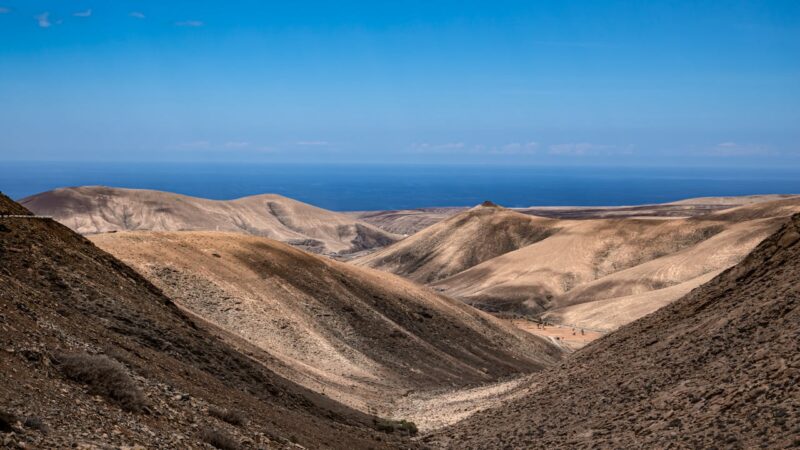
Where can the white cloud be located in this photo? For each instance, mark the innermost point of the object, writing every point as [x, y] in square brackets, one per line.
[586, 148]
[739, 149]
[512, 148]
[208, 146]
[446, 147]
[4, 10]
[312, 143]
[87, 13]
[137, 15]
[580, 148]
[190, 23]
[43, 20]
[192, 145]
[516, 148]
[571, 149]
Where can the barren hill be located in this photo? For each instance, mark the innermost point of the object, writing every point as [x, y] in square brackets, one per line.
[97, 209]
[633, 266]
[406, 221]
[93, 355]
[459, 242]
[359, 335]
[719, 368]
[410, 221]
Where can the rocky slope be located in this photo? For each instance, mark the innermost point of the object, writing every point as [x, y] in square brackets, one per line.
[95, 356]
[359, 335]
[98, 209]
[719, 368]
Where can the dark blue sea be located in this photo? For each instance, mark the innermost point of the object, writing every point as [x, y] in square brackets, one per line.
[372, 187]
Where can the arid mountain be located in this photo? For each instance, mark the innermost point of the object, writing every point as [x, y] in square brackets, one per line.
[719, 368]
[607, 259]
[459, 242]
[406, 221]
[624, 267]
[95, 356]
[359, 335]
[692, 207]
[97, 209]
[410, 221]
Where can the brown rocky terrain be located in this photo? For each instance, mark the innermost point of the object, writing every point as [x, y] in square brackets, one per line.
[95, 356]
[719, 368]
[360, 336]
[99, 209]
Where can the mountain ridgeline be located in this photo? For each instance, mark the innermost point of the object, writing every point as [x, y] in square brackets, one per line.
[99, 209]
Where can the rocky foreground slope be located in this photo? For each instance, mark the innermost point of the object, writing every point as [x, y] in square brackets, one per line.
[99, 209]
[359, 335]
[94, 356]
[719, 368]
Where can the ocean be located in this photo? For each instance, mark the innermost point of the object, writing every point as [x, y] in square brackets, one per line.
[375, 187]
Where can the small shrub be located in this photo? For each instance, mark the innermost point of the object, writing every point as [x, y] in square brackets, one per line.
[219, 439]
[36, 423]
[401, 426]
[104, 376]
[231, 416]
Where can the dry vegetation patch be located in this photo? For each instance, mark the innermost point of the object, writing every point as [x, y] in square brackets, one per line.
[103, 376]
[219, 439]
[399, 426]
[231, 416]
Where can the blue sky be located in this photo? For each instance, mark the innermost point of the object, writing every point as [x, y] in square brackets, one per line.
[531, 82]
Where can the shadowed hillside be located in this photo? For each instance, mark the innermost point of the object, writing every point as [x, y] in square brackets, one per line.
[95, 355]
[97, 209]
[719, 368]
[359, 335]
